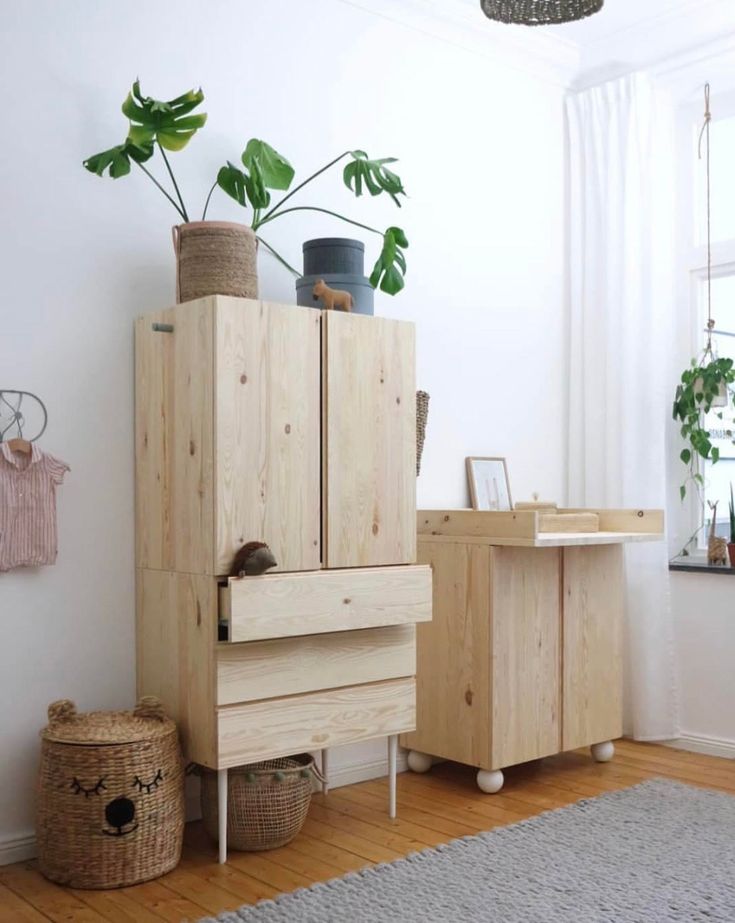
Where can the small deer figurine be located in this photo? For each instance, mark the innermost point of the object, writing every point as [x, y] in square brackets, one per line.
[716, 546]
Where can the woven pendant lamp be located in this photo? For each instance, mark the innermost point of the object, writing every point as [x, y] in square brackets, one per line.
[540, 12]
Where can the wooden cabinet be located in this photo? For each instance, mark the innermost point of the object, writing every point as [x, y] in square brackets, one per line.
[523, 656]
[267, 422]
[281, 424]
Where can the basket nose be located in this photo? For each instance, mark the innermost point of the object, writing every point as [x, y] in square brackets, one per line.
[119, 812]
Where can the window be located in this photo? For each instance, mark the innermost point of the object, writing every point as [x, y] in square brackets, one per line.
[693, 246]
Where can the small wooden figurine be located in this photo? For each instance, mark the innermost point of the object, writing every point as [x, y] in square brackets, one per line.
[331, 297]
[252, 559]
[716, 545]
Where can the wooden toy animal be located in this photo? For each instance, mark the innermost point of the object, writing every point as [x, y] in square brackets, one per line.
[716, 545]
[252, 559]
[331, 297]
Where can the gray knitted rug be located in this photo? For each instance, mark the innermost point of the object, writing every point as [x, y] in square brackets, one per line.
[655, 853]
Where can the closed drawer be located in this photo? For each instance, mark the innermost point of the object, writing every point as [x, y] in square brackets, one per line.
[262, 730]
[287, 605]
[289, 666]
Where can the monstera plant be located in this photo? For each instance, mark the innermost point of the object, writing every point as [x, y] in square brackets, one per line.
[159, 127]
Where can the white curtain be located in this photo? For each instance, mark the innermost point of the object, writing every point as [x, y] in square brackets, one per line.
[620, 341]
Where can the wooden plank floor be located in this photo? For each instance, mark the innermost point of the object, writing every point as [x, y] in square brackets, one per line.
[348, 830]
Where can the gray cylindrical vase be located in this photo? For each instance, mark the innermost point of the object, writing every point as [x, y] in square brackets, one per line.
[340, 262]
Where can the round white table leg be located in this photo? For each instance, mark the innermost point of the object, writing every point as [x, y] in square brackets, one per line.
[325, 770]
[603, 752]
[490, 780]
[392, 760]
[419, 762]
[222, 813]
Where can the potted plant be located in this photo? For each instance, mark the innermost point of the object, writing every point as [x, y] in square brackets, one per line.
[698, 392]
[731, 543]
[215, 257]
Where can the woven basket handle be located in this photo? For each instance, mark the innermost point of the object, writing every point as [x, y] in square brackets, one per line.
[61, 710]
[176, 235]
[150, 707]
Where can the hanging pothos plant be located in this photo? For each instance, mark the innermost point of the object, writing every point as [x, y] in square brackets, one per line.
[702, 384]
[169, 126]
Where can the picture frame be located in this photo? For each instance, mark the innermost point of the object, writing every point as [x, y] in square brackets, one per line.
[489, 484]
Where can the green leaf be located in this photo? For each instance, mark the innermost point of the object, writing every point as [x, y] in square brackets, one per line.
[374, 174]
[686, 456]
[168, 123]
[715, 454]
[682, 491]
[232, 181]
[271, 168]
[390, 266]
[116, 160]
[698, 478]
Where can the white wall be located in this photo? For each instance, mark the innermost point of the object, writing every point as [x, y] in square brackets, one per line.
[481, 156]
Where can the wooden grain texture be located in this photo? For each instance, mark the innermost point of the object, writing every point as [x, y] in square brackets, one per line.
[650, 521]
[526, 654]
[479, 523]
[453, 716]
[267, 431]
[568, 522]
[592, 649]
[283, 605]
[289, 666]
[173, 439]
[444, 804]
[369, 441]
[175, 637]
[260, 730]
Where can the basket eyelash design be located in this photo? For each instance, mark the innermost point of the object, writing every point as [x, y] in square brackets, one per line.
[78, 788]
[148, 787]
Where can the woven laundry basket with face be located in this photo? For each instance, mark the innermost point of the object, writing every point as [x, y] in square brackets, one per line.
[110, 799]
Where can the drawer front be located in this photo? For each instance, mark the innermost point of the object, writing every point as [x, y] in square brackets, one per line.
[287, 605]
[263, 730]
[290, 666]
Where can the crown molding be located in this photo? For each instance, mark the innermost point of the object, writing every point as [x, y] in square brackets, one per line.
[536, 52]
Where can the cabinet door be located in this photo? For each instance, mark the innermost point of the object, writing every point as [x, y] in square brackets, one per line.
[593, 640]
[369, 441]
[267, 431]
[525, 640]
[173, 439]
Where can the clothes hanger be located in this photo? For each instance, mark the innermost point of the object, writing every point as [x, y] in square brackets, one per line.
[21, 446]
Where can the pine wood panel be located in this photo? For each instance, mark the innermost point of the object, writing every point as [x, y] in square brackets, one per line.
[283, 605]
[646, 521]
[593, 639]
[445, 804]
[369, 440]
[479, 523]
[267, 431]
[526, 652]
[453, 716]
[290, 666]
[173, 439]
[175, 637]
[261, 730]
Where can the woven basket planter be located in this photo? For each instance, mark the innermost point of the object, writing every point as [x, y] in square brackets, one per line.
[267, 802]
[422, 414]
[215, 258]
[110, 805]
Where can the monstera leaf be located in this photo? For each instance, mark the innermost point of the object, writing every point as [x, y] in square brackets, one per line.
[117, 159]
[243, 187]
[374, 174]
[390, 267]
[168, 123]
[272, 168]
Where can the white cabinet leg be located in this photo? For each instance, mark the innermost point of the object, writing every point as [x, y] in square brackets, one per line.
[490, 781]
[419, 762]
[222, 813]
[603, 752]
[325, 770]
[392, 759]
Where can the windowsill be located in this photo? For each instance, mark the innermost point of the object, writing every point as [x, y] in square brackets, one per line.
[697, 564]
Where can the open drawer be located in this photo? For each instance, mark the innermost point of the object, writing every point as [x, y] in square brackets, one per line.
[316, 602]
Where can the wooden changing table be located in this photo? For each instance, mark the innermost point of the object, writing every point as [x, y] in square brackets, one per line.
[523, 658]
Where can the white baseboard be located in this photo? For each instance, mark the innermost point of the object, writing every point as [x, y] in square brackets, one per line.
[23, 847]
[17, 848]
[361, 772]
[711, 746]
